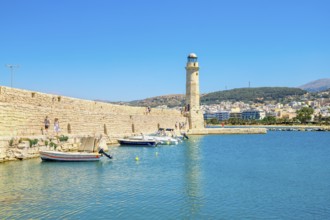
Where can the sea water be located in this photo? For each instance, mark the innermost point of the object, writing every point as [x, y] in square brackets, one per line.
[279, 175]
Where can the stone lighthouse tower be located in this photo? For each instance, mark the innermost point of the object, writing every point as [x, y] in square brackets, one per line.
[194, 114]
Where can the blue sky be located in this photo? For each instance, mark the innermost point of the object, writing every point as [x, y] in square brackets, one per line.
[127, 50]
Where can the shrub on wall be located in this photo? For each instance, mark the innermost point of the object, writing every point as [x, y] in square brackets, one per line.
[11, 142]
[63, 138]
[52, 144]
[33, 142]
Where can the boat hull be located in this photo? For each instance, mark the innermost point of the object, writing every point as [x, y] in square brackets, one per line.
[69, 156]
[161, 140]
[149, 143]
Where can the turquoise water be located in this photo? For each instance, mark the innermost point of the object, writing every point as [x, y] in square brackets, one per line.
[280, 175]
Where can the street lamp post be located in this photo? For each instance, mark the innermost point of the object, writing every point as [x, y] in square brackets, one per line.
[11, 67]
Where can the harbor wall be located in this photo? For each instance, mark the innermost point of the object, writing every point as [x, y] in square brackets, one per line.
[22, 114]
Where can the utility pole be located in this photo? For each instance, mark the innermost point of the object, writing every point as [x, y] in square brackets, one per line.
[12, 67]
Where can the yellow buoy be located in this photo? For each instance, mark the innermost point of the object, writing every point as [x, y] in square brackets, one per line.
[137, 158]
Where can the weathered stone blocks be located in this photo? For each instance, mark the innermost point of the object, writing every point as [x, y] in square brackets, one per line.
[22, 114]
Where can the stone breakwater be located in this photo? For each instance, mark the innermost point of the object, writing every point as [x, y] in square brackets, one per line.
[206, 131]
[22, 115]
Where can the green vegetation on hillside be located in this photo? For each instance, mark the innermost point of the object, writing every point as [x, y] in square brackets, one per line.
[169, 100]
[256, 95]
[260, 95]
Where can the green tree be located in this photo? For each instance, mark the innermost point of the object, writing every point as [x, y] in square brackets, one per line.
[213, 121]
[269, 120]
[305, 114]
[234, 121]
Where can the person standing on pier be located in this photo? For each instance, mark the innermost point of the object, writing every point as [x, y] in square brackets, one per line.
[57, 126]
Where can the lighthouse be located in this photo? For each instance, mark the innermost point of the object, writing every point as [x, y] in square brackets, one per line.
[194, 114]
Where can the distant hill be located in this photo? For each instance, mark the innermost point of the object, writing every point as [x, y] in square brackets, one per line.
[317, 85]
[262, 94]
[168, 100]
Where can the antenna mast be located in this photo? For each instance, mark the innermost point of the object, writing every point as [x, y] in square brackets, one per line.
[12, 67]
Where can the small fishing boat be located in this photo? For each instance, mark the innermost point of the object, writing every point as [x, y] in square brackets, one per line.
[69, 156]
[142, 142]
[86, 152]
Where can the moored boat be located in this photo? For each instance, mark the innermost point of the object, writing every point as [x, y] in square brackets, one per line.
[86, 152]
[151, 143]
[162, 140]
[69, 156]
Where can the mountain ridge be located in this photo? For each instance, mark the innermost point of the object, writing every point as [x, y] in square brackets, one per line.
[316, 85]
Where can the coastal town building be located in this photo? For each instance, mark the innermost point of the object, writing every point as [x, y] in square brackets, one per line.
[253, 115]
[241, 110]
[237, 115]
[220, 116]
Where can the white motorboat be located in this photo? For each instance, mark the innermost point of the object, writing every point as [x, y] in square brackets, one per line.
[162, 140]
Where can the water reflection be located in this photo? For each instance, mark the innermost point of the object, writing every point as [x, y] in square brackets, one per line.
[179, 182]
[193, 176]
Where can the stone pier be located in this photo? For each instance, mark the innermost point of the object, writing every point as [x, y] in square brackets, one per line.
[206, 131]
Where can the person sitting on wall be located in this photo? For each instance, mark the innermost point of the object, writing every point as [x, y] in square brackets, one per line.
[46, 123]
